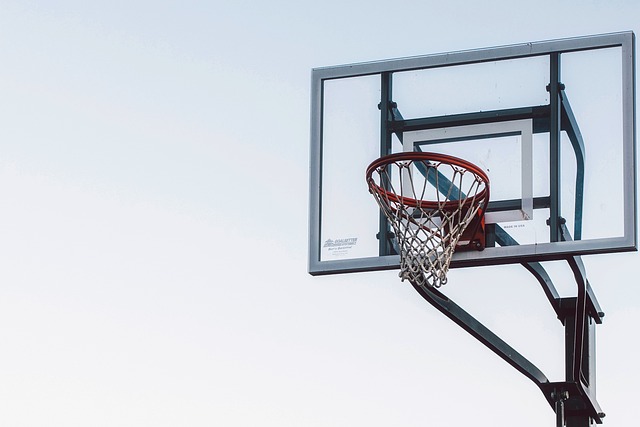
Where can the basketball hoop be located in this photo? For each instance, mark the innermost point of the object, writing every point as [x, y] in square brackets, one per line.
[435, 204]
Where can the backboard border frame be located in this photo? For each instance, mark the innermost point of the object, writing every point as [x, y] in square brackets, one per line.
[504, 255]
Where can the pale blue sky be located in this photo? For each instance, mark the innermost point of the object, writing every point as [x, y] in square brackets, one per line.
[153, 227]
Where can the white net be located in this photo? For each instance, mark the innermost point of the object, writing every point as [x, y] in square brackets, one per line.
[430, 201]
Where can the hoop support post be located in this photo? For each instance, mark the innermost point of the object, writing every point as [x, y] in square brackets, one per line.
[467, 322]
[580, 407]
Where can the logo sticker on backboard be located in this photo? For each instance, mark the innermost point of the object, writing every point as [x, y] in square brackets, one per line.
[339, 248]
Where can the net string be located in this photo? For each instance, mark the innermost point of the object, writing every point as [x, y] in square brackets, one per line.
[427, 233]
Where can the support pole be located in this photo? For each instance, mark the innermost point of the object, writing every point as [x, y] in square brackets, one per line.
[555, 101]
[386, 94]
[576, 414]
[560, 397]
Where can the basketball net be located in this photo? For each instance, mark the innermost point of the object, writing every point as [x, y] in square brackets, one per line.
[435, 205]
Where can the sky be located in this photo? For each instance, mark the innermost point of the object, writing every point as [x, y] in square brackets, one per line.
[154, 161]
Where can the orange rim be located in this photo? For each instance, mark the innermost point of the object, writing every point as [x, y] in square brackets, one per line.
[425, 156]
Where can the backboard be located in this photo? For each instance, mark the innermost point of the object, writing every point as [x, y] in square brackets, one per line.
[551, 123]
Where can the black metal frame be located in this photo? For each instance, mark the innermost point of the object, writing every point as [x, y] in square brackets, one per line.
[573, 400]
[541, 124]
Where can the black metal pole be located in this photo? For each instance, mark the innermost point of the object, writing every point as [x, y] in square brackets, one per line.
[386, 94]
[584, 373]
[555, 124]
[560, 397]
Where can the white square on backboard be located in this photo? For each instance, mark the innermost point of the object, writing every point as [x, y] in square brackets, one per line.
[449, 139]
